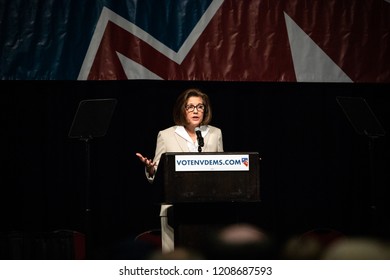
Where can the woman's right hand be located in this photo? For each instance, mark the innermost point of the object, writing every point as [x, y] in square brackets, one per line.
[149, 164]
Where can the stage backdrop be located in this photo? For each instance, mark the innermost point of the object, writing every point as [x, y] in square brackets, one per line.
[315, 170]
[224, 40]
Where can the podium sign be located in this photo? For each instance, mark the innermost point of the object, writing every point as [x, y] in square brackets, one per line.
[209, 177]
[213, 162]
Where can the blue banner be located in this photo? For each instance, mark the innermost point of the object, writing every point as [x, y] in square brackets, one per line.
[216, 40]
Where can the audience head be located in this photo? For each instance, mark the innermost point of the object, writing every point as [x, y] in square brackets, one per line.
[358, 248]
[240, 241]
[309, 245]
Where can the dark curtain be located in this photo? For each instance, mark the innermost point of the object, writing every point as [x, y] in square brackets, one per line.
[316, 170]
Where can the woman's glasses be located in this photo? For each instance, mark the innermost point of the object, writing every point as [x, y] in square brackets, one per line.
[191, 108]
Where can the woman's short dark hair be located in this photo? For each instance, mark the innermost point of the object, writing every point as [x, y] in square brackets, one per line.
[179, 111]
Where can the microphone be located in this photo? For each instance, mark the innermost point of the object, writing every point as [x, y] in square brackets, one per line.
[200, 139]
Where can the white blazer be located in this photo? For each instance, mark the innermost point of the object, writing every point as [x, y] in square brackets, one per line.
[172, 139]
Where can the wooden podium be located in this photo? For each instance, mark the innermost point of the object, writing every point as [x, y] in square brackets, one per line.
[207, 190]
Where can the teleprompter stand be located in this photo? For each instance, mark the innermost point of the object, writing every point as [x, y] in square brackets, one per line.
[91, 120]
[365, 123]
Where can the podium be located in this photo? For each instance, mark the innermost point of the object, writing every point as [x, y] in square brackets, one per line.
[207, 191]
